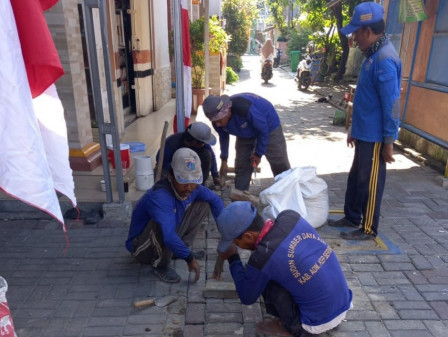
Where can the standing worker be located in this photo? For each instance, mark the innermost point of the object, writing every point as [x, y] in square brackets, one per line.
[197, 137]
[297, 273]
[375, 121]
[256, 125]
[168, 216]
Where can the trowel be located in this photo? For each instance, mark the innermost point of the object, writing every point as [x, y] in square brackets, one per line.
[158, 302]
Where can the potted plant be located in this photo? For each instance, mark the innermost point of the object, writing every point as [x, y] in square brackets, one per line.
[217, 42]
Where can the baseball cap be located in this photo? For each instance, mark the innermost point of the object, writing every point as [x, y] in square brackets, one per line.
[212, 106]
[186, 166]
[364, 14]
[233, 221]
[202, 132]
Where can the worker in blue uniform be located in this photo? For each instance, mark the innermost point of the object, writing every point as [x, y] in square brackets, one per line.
[296, 272]
[375, 122]
[168, 216]
[256, 125]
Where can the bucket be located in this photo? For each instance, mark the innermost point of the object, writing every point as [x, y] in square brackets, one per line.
[125, 155]
[144, 174]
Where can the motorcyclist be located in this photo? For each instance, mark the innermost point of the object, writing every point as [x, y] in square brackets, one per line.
[267, 53]
[305, 64]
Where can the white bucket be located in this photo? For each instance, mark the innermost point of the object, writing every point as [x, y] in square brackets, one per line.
[144, 174]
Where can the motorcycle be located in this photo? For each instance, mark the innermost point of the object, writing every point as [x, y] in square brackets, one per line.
[303, 74]
[277, 58]
[266, 72]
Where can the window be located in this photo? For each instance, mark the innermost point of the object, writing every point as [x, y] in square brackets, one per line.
[393, 27]
[437, 67]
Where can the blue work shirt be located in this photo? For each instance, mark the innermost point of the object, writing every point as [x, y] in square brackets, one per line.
[161, 205]
[376, 105]
[252, 117]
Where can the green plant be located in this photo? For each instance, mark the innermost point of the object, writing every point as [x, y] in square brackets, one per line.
[218, 40]
[239, 15]
[235, 62]
[231, 76]
[299, 38]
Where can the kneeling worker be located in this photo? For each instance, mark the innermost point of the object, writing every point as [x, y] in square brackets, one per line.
[297, 273]
[168, 216]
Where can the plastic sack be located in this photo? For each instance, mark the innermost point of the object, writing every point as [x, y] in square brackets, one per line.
[301, 190]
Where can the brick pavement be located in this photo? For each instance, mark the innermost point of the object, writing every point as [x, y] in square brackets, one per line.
[89, 289]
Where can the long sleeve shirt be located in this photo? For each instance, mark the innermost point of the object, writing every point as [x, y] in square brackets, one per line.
[161, 205]
[252, 117]
[293, 255]
[376, 105]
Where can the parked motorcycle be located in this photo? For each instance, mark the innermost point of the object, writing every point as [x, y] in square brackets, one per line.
[266, 72]
[277, 58]
[303, 74]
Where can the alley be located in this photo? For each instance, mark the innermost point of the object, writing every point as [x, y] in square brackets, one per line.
[88, 289]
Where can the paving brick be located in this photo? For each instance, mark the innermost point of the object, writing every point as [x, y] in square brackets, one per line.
[225, 329]
[404, 325]
[377, 329]
[441, 308]
[195, 313]
[366, 267]
[385, 310]
[410, 305]
[193, 330]
[252, 313]
[437, 328]
[417, 314]
[224, 317]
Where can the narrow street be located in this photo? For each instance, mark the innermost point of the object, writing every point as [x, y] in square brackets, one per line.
[400, 287]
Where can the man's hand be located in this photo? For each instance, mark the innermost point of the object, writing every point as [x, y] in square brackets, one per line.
[231, 251]
[194, 266]
[223, 169]
[217, 182]
[255, 160]
[388, 152]
[350, 141]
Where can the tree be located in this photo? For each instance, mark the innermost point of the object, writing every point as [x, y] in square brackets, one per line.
[280, 13]
[239, 15]
[338, 13]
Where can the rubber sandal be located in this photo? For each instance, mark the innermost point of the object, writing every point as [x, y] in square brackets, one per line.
[344, 222]
[356, 235]
[167, 274]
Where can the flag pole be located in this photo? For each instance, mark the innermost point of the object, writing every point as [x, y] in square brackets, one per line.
[178, 65]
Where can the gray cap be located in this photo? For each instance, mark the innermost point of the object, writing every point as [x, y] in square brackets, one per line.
[186, 166]
[233, 221]
[213, 104]
[202, 133]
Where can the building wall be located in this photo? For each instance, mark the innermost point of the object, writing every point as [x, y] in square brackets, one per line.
[63, 22]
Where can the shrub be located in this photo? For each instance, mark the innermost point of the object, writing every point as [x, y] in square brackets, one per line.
[231, 76]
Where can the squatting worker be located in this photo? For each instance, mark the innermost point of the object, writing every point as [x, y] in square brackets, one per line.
[295, 271]
[256, 125]
[197, 137]
[168, 216]
[375, 122]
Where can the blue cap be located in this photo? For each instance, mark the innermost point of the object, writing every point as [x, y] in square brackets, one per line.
[364, 14]
[233, 221]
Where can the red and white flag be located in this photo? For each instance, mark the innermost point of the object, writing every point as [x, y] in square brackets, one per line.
[34, 152]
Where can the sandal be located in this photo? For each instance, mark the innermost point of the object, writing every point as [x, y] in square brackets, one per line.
[344, 222]
[167, 274]
[356, 235]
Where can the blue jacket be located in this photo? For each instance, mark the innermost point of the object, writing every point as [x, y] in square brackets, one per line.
[376, 105]
[293, 255]
[160, 204]
[175, 142]
[252, 117]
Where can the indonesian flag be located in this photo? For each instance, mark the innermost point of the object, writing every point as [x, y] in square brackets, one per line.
[34, 149]
[187, 64]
